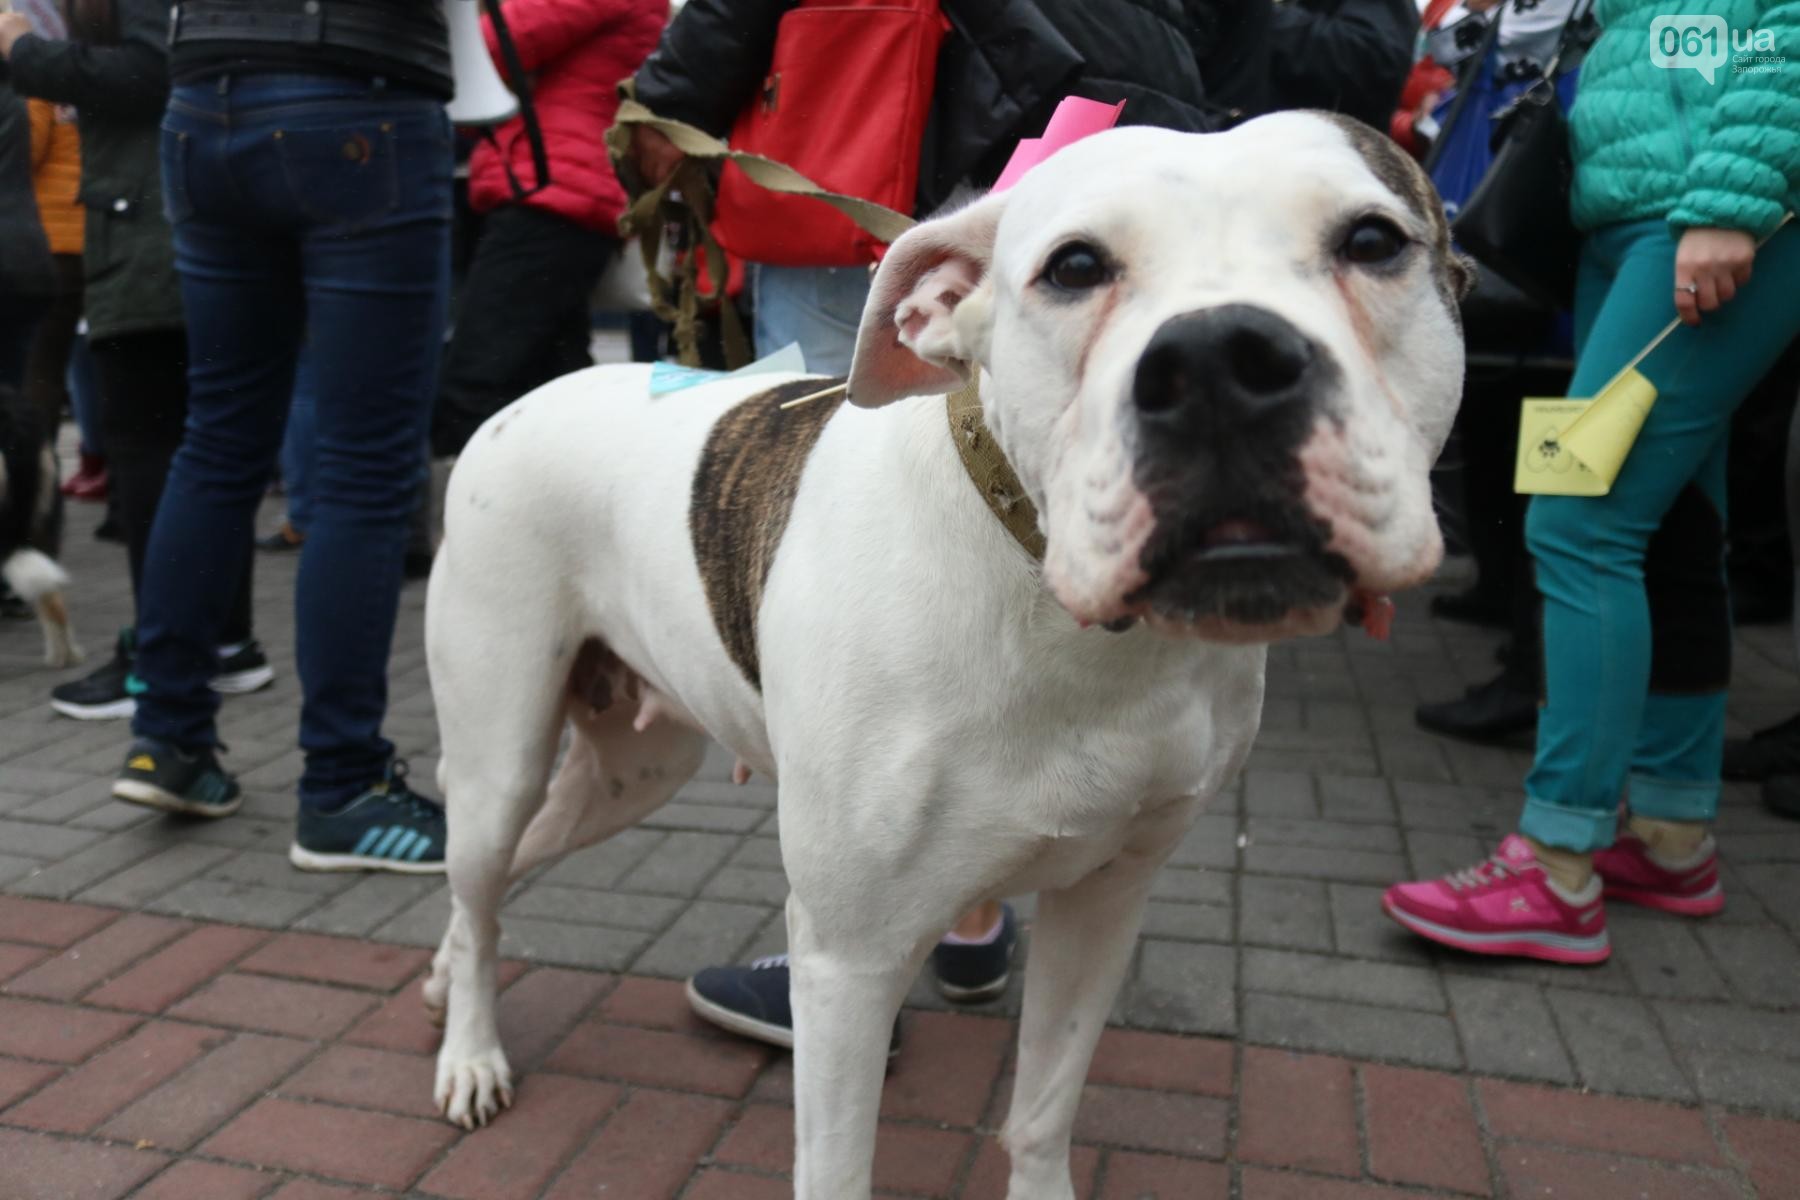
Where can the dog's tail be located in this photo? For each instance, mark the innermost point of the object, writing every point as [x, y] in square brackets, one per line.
[33, 574]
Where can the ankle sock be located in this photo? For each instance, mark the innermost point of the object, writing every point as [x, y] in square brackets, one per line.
[1671, 843]
[986, 939]
[1570, 870]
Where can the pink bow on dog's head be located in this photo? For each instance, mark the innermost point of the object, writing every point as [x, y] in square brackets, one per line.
[1073, 120]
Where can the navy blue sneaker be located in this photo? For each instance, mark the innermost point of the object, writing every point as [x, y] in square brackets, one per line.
[159, 775]
[390, 827]
[753, 1001]
[976, 974]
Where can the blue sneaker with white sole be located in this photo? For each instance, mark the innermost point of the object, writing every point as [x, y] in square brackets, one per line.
[389, 827]
[753, 1001]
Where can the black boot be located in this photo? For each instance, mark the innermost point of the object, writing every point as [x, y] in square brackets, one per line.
[1489, 712]
[1765, 753]
[1781, 795]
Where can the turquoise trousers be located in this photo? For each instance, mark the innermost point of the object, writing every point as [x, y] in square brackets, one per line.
[1606, 730]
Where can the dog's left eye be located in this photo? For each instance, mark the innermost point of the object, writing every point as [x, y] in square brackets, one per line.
[1077, 267]
[1373, 241]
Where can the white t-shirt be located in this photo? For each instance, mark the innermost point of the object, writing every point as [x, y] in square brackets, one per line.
[1529, 30]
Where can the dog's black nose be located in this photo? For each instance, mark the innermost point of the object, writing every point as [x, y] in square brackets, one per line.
[1220, 369]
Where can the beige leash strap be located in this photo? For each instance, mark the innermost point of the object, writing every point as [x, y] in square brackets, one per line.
[655, 210]
[991, 474]
[878, 221]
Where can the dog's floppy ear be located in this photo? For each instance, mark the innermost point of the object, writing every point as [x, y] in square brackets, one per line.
[908, 343]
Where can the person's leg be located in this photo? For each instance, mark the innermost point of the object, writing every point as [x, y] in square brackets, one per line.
[1781, 782]
[522, 320]
[83, 380]
[298, 449]
[18, 322]
[1538, 897]
[1590, 551]
[1675, 766]
[144, 396]
[241, 292]
[1757, 562]
[376, 293]
[816, 308]
[46, 364]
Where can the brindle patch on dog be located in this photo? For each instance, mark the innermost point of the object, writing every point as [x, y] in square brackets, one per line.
[743, 493]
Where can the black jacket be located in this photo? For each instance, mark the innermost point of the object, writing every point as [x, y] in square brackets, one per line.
[1351, 56]
[1183, 64]
[25, 270]
[119, 92]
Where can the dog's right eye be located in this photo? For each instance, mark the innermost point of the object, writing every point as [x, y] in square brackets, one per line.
[1373, 241]
[1077, 267]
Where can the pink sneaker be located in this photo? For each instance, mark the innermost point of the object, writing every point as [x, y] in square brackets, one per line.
[1506, 905]
[1631, 875]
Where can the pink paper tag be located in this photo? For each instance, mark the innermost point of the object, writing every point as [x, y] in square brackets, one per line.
[1073, 120]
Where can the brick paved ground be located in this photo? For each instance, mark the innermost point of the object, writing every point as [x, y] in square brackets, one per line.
[1265, 929]
[162, 1058]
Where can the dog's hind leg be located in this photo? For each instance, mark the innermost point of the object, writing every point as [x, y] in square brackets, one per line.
[612, 776]
[500, 699]
[1081, 944]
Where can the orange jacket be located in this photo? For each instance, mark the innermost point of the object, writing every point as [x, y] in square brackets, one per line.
[56, 175]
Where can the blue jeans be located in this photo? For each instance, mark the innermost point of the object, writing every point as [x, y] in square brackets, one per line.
[320, 204]
[1611, 722]
[817, 307]
[297, 442]
[84, 395]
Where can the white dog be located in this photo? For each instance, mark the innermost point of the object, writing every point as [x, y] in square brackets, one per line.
[1220, 366]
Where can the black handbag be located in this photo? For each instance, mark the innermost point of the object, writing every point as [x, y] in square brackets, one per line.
[1517, 223]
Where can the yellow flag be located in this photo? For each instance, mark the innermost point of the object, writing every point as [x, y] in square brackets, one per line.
[1570, 447]
[1545, 467]
[1602, 436]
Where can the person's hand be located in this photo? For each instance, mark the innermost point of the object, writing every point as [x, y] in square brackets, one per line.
[1710, 266]
[655, 155]
[13, 26]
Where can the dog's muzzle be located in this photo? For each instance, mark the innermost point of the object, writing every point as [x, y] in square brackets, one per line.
[1224, 398]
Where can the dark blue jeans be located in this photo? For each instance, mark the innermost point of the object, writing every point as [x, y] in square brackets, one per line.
[316, 204]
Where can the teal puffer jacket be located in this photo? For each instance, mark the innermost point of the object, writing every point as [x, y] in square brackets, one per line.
[1656, 143]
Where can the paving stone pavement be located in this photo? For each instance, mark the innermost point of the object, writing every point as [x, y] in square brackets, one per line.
[166, 1059]
[1265, 927]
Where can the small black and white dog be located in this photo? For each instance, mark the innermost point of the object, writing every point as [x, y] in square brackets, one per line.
[31, 521]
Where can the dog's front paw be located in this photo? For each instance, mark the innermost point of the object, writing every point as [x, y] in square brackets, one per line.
[472, 1089]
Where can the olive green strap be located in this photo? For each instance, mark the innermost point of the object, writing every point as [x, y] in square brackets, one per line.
[991, 474]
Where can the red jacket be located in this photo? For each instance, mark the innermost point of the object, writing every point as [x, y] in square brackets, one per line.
[576, 51]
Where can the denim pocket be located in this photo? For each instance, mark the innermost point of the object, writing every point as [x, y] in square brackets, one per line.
[344, 174]
[177, 205]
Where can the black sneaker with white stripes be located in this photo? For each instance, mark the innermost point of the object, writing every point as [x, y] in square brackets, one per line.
[389, 827]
